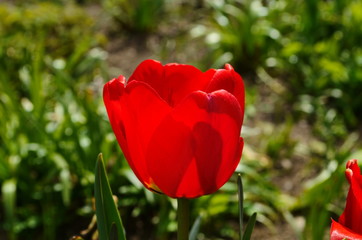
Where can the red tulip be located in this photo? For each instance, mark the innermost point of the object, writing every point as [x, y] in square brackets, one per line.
[178, 127]
[349, 225]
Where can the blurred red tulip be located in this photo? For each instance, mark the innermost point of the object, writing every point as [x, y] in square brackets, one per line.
[179, 128]
[349, 225]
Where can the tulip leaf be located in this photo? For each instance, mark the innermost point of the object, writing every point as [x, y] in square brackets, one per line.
[195, 228]
[249, 227]
[241, 205]
[108, 220]
[113, 234]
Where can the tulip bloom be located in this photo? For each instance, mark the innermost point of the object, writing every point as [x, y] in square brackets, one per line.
[349, 225]
[179, 128]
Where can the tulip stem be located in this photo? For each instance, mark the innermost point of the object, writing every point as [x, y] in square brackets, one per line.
[183, 218]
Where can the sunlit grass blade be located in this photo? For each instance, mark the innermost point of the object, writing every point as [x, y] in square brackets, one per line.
[108, 219]
[195, 228]
[241, 205]
[249, 227]
[8, 190]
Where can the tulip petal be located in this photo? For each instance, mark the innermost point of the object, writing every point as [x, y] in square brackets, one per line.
[173, 82]
[149, 71]
[340, 232]
[353, 166]
[182, 80]
[230, 81]
[134, 112]
[113, 92]
[197, 146]
[352, 217]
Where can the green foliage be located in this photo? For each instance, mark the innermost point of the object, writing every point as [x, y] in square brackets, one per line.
[137, 16]
[249, 227]
[195, 228]
[241, 205]
[108, 220]
[312, 45]
[324, 60]
[246, 235]
[239, 34]
[8, 192]
[52, 129]
[302, 65]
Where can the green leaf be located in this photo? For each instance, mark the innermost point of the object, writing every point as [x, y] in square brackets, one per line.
[113, 234]
[249, 227]
[8, 191]
[241, 205]
[195, 228]
[108, 219]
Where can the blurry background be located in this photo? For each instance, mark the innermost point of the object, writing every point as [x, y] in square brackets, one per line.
[301, 61]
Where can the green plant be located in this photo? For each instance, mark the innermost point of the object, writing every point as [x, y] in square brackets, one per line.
[320, 59]
[239, 33]
[139, 16]
[49, 96]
